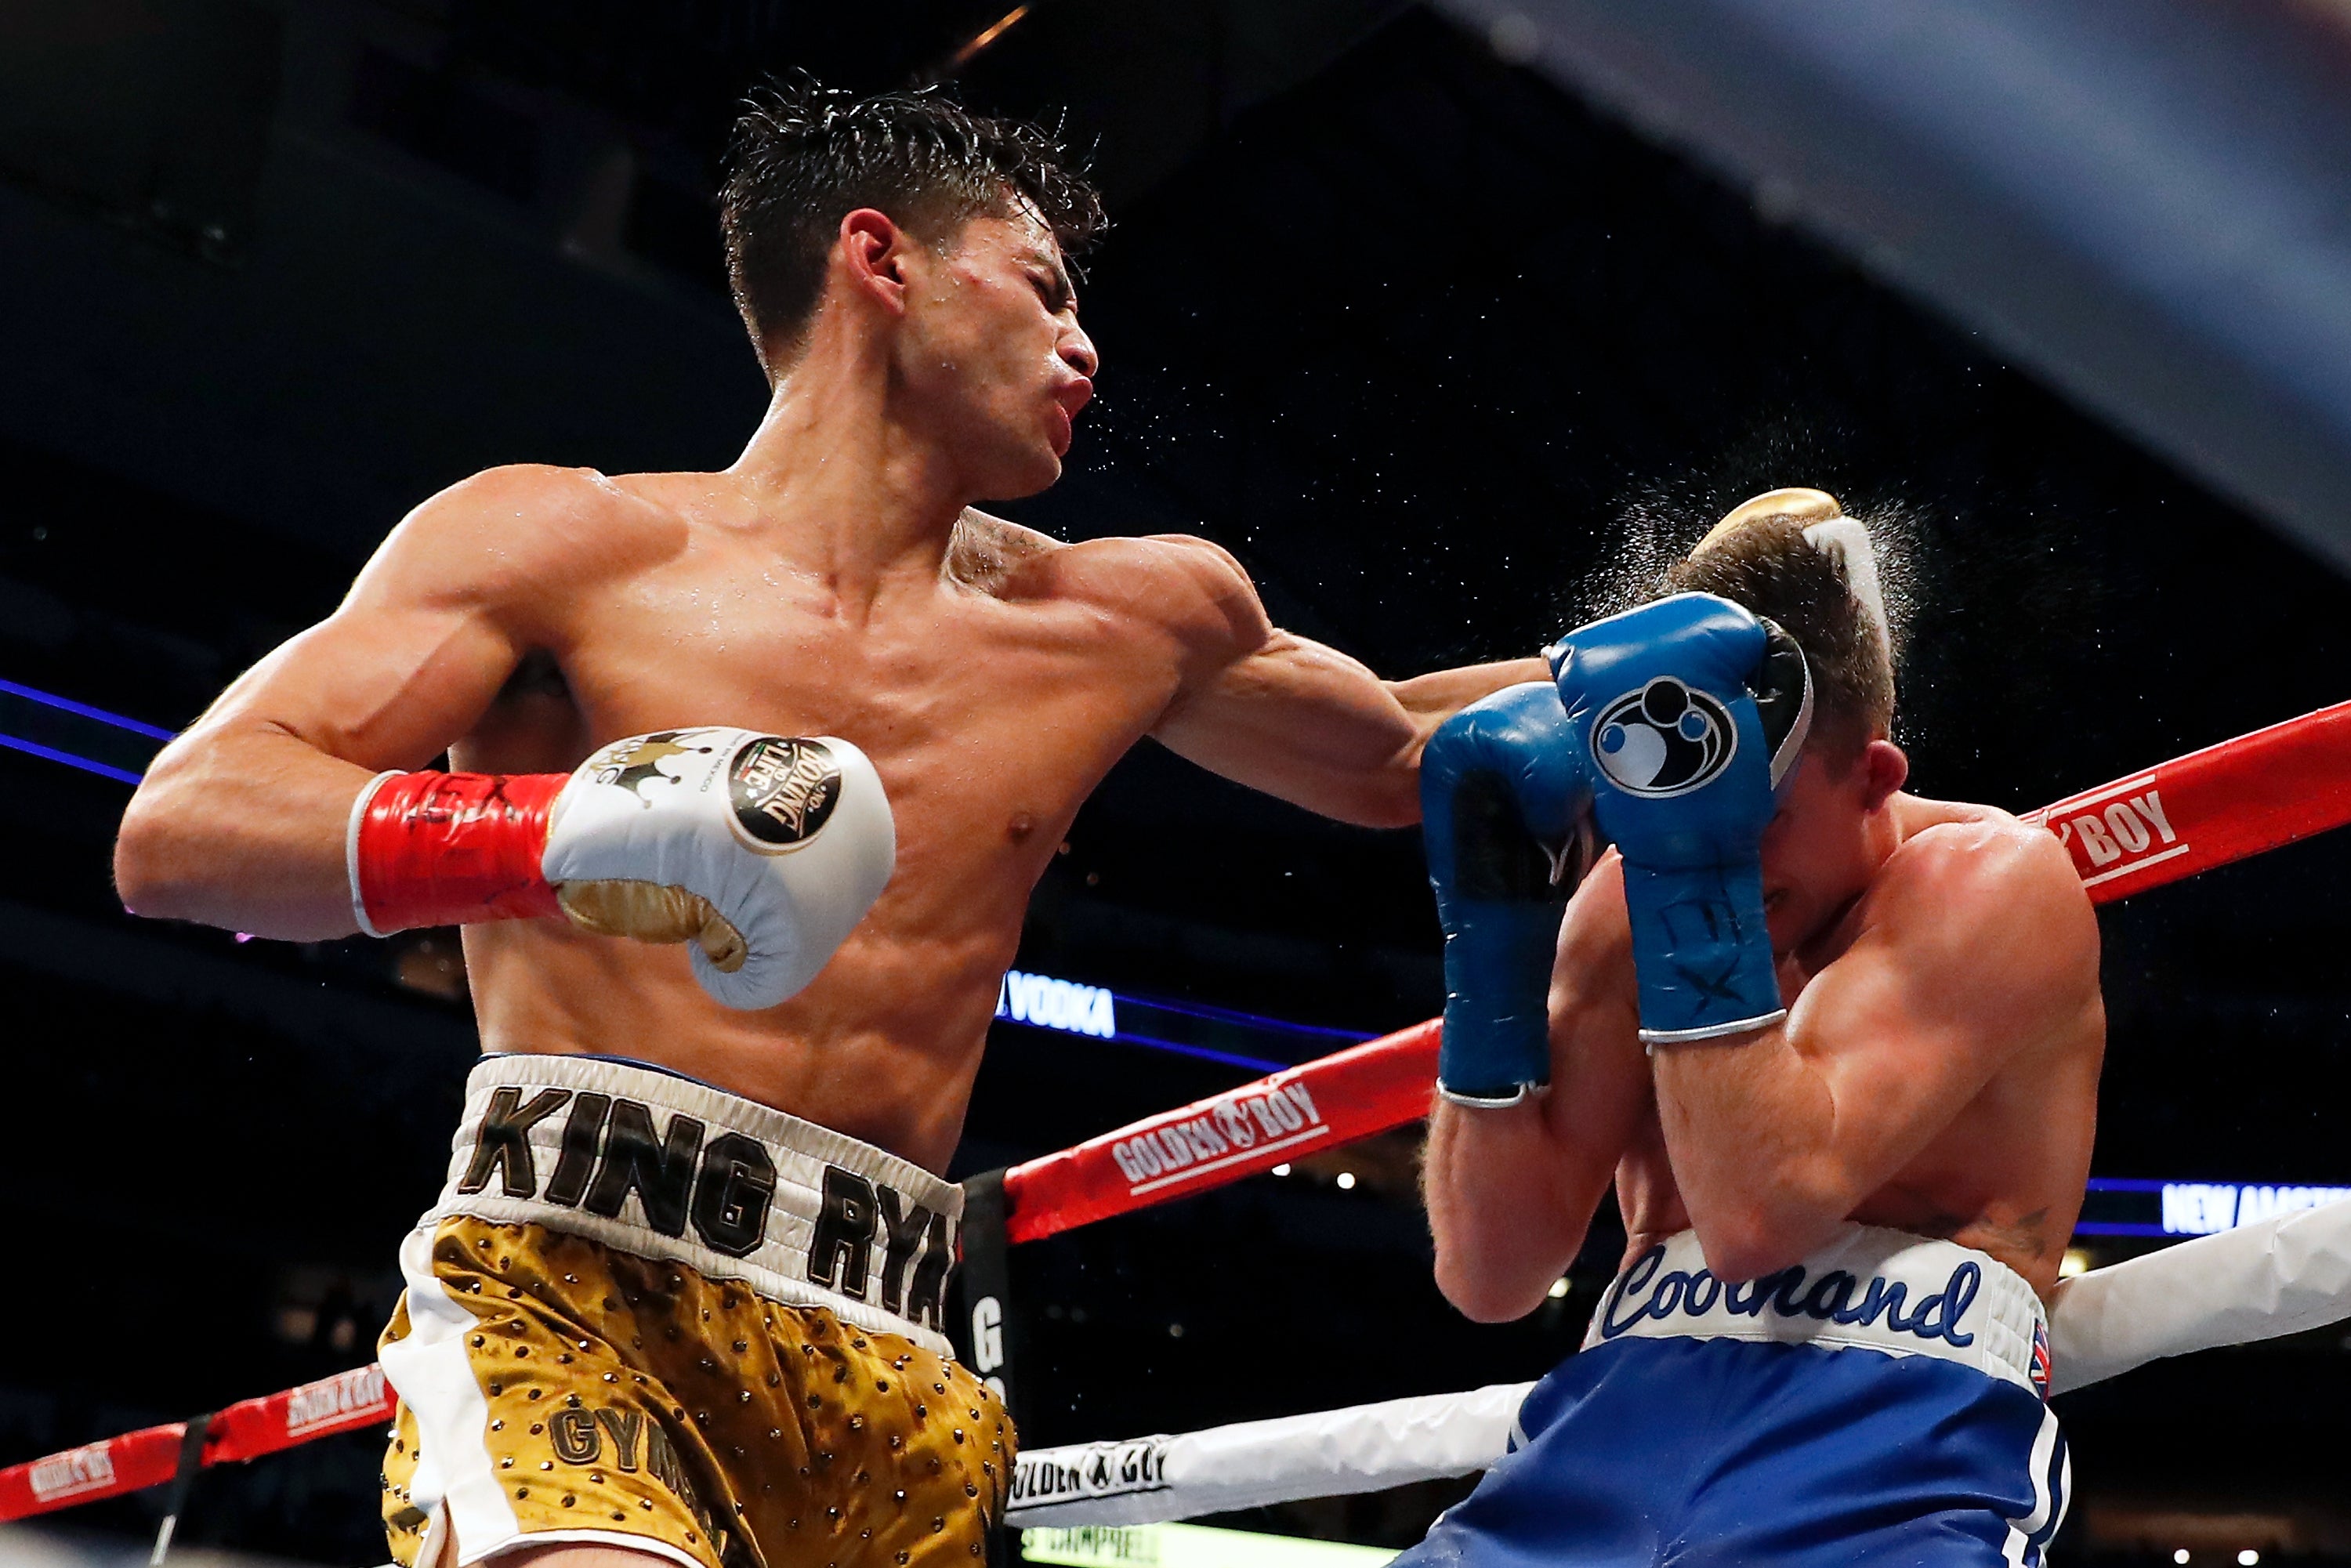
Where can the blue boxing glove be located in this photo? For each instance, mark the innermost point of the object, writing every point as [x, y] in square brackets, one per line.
[1504, 801]
[1692, 712]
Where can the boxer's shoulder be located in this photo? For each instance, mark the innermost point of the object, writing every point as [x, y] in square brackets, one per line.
[1978, 884]
[1197, 589]
[1176, 582]
[1953, 847]
[526, 526]
[1002, 558]
[539, 494]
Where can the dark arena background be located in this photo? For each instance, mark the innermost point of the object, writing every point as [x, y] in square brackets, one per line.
[1434, 316]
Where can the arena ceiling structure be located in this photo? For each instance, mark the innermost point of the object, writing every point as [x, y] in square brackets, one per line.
[2144, 205]
[1435, 314]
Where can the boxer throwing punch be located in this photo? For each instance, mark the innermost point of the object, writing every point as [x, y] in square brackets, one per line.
[752, 774]
[1837, 1046]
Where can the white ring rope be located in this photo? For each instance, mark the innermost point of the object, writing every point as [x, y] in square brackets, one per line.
[2255, 1282]
[1330, 1453]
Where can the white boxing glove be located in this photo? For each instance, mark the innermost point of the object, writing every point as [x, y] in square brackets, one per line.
[785, 842]
[763, 852]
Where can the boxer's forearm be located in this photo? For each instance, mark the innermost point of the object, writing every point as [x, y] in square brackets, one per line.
[1390, 791]
[1428, 701]
[1503, 1227]
[1752, 1133]
[1437, 695]
[1976, 948]
[242, 829]
[1313, 726]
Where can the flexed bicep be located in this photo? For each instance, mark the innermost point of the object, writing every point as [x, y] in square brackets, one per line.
[241, 821]
[1985, 948]
[1976, 945]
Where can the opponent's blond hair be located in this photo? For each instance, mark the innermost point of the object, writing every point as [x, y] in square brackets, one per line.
[1792, 556]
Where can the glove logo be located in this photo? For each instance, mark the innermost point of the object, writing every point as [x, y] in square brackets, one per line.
[633, 764]
[1664, 739]
[783, 790]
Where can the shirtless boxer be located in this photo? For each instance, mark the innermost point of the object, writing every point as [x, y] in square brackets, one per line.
[681, 1297]
[1838, 1048]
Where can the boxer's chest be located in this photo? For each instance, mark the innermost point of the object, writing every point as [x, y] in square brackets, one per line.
[989, 722]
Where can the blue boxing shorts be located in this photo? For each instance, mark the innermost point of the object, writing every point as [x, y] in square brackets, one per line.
[1884, 1402]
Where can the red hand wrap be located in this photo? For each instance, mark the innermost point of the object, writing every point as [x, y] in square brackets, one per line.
[443, 849]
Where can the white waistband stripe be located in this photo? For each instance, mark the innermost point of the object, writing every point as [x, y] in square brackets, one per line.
[660, 1167]
[1871, 1289]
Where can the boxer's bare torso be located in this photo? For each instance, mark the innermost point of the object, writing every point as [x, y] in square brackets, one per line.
[534, 614]
[992, 696]
[1936, 1073]
[836, 580]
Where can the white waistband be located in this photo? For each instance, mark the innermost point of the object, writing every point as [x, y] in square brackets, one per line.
[1870, 1289]
[661, 1166]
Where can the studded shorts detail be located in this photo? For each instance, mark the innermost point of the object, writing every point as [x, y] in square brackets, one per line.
[648, 1313]
[554, 1389]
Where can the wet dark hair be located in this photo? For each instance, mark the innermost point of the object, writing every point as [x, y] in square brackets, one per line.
[803, 156]
[1766, 565]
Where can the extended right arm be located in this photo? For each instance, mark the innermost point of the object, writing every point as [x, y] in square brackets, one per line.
[241, 821]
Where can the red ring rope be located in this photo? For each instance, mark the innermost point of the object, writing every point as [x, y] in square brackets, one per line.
[2225, 803]
[246, 1430]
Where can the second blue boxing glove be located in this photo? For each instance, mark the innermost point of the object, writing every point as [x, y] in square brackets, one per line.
[1504, 797]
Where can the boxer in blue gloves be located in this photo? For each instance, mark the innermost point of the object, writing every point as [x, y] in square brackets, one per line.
[1836, 1045]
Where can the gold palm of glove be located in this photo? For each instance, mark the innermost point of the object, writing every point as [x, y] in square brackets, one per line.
[1804, 506]
[653, 912]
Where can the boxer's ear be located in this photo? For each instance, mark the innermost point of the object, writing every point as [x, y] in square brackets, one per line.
[1885, 768]
[872, 249]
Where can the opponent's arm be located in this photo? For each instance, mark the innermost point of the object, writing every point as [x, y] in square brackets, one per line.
[1979, 946]
[1511, 1192]
[1286, 715]
[240, 821]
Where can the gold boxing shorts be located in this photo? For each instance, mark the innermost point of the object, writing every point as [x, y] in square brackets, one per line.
[649, 1314]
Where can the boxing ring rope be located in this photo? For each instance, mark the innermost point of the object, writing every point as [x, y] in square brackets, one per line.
[347, 1402]
[2279, 1275]
[1330, 1453]
[2225, 803]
